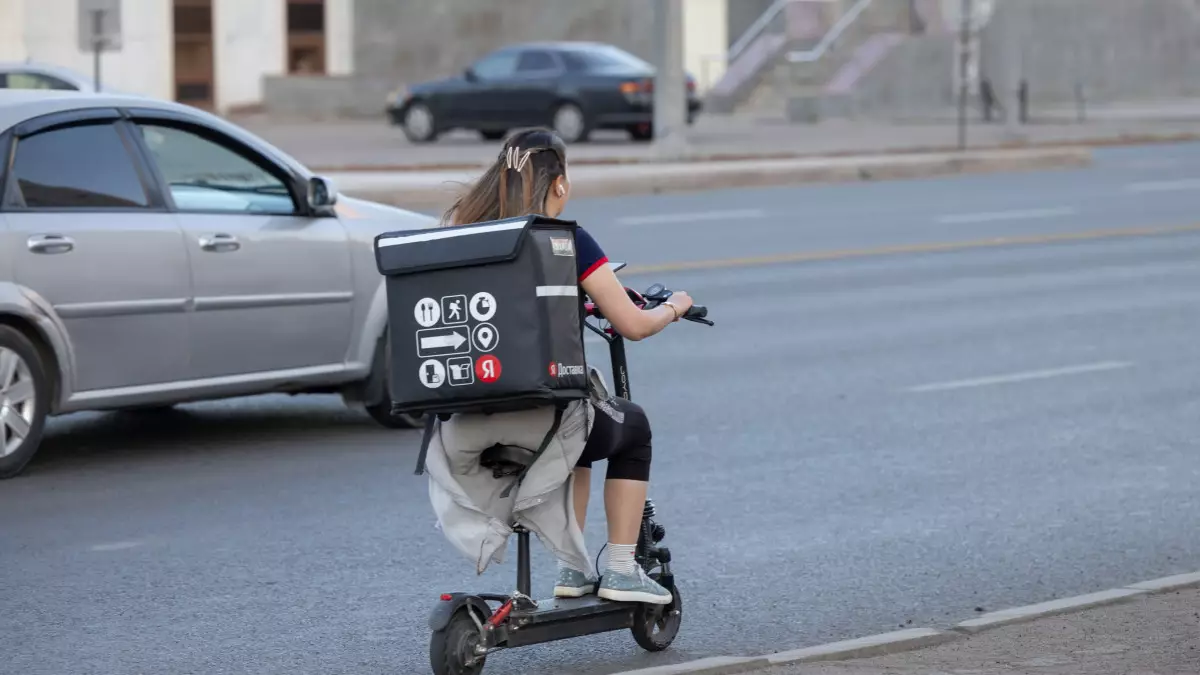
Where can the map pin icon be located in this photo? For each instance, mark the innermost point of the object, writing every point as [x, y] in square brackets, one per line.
[485, 336]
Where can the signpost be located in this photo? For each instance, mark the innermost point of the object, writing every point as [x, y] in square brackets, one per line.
[967, 18]
[99, 30]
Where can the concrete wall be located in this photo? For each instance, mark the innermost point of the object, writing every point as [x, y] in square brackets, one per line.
[1118, 50]
[49, 28]
[705, 40]
[250, 42]
[414, 40]
[12, 33]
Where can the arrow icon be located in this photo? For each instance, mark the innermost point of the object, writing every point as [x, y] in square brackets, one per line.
[453, 340]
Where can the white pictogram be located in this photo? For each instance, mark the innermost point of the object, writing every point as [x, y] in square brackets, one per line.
[443, 341]
[427, 312]
[462, 371]
[432, 374]
[485, 336]
[483, 306]
[454, 309]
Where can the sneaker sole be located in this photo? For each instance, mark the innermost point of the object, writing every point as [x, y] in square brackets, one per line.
[564, 592]
[635, 596]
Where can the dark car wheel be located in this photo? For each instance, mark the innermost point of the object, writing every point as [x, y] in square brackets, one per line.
[24, 400]
[641, 132]
[419, 123]
[570, 123]
[493, 135]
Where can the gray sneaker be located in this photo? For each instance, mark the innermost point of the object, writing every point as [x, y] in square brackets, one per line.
[573, 584]
[636, 587]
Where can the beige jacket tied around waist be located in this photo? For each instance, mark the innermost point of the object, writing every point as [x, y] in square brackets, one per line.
[467, 499]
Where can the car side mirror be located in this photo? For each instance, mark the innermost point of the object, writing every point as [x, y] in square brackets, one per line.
[321, 193]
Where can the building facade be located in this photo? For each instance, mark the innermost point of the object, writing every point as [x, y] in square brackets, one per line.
[309, 55]
[209, 53]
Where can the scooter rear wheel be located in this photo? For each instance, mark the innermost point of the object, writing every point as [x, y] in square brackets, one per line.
[452, 649]
[655, 626]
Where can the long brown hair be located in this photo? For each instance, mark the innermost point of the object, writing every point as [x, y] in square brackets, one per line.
[517, 183]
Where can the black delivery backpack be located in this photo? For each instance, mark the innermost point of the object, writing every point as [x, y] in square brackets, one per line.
[483, 318]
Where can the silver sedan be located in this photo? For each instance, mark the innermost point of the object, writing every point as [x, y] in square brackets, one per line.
[151, 254]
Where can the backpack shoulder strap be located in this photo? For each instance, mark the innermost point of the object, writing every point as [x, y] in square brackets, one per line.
[558, 415]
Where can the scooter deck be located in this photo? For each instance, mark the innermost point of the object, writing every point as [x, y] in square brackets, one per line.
[561, 618]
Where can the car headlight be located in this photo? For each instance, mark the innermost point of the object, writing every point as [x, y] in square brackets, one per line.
[397, 97]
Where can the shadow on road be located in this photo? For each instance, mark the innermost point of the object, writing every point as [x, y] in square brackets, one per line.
[273, 424]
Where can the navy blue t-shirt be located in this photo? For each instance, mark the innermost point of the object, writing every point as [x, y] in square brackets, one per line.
[588, 254]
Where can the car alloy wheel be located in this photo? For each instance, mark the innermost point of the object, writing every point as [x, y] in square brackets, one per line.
[569, 123]
[418, 123]
[18, 401]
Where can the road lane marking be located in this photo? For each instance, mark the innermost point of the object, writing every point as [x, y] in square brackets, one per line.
[689, 217]
[115, 546]
[1164, 185]
[1015, 214]
[941, 247]
[1020, 377]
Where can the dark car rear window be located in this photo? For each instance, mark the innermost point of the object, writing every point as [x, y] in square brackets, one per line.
[603, 58]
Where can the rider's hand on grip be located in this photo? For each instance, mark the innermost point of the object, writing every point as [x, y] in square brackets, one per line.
[682, 302]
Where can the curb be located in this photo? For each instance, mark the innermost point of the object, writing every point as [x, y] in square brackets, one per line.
[701, 157]
[920, 638]
[645, 179]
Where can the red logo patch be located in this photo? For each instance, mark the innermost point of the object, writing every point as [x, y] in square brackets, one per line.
[553, 369]
[487, 368]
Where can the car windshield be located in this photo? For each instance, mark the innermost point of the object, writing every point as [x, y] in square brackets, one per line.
[607, 57]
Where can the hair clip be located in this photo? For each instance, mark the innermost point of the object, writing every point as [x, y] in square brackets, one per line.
[515, 159]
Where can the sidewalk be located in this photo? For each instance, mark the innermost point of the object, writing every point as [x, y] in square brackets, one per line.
[374, 145]
[1146, 628]
[1157, 634]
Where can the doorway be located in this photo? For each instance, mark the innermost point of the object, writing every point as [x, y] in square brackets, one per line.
[194, 67]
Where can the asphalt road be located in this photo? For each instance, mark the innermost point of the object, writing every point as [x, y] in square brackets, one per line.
[860, 442]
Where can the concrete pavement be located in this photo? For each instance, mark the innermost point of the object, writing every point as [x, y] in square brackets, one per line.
[1158, 634]
[891, 432]
[374, 145]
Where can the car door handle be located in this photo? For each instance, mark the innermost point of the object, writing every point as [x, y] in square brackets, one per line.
[219, 243]
[50, 243]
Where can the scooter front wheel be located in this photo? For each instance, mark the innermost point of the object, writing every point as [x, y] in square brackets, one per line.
[452, 649]
[655, 626]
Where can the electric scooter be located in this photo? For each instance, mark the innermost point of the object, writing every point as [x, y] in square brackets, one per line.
[466, 629]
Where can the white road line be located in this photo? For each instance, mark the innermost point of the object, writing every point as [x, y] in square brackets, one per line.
[689, 217]
[1164, 185]
[1021, 377]
[1015, 214]
[115, 546]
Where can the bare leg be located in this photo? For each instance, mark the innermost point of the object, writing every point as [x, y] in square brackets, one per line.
[624, 501]
[583, 492]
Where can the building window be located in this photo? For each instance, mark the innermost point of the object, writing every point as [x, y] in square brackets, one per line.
[306, 37]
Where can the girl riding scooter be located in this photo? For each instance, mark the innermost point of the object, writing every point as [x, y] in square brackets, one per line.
[529, 176]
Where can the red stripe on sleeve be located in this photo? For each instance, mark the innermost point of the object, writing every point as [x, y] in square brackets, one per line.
[595, 266]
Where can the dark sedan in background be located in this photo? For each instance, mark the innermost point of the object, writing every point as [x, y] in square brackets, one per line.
[573, 87]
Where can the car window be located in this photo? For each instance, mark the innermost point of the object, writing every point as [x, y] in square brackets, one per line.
[77, 167]
[496, 66]
[604, 57]
[536, 61]
[36, 81]
[204, 175]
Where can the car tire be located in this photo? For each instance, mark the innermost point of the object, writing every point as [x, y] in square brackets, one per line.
[570, 123]
[420, 126]
[381, 412]
[493, 135]
[641, 132]
[24, 400]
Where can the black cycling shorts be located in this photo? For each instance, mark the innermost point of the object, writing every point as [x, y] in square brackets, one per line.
[621, 435]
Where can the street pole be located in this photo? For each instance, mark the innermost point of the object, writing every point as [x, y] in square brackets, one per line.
[97, 43]
[670, 82]
[963, 64]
